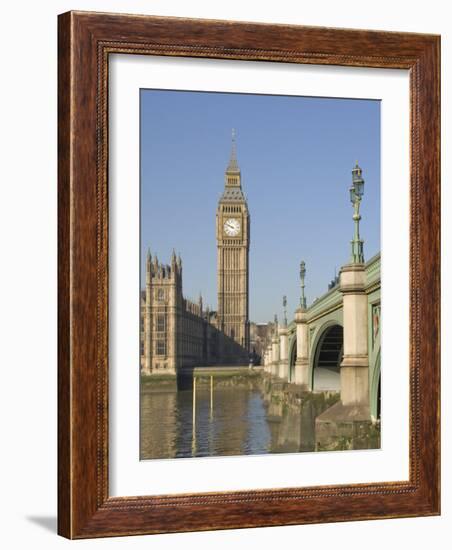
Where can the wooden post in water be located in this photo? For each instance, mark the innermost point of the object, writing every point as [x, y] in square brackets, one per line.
[193, 440]
[194, 403]
[211, 397]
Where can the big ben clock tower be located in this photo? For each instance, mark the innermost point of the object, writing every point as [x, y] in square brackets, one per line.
[233, 244]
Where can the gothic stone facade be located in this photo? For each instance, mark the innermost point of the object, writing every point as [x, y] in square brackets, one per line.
[176, 332]
[260, 338]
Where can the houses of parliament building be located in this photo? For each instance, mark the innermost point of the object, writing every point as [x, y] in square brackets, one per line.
[176, 332]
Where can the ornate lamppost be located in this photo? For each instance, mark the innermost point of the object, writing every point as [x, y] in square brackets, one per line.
[356, 193]
[302, 276]
[284, 303]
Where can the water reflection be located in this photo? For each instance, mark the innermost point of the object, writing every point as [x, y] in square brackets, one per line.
[228, 417]
[235, 425]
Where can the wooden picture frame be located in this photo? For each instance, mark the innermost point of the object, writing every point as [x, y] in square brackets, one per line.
[85, 42]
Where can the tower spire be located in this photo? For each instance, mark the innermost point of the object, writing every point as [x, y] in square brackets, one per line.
[148, 266]
[233, 165]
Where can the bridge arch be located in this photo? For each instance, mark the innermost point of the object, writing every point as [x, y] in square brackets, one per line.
[375, 391]
[292, 357]
[326, 356]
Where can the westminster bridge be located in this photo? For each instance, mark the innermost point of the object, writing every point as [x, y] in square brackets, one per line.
[334, 345]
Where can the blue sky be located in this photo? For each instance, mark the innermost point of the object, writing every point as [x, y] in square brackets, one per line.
[296, 155]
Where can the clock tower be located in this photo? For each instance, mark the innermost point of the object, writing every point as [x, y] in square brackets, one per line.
[233, 244]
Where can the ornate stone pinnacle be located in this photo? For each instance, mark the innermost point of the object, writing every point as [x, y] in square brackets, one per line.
[233, 165]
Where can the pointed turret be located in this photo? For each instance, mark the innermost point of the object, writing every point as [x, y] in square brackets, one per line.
[232, 178]
[147, 315]
[148, 259]
[148, 265]
[233, 167]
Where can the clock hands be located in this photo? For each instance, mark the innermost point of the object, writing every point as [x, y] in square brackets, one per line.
[231, 227]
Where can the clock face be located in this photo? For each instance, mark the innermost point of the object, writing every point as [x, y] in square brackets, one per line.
[232, 227]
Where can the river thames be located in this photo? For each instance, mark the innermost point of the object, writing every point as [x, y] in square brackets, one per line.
[229, 416]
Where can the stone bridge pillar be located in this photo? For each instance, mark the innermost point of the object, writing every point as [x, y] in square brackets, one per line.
[269, 360]
[283, 371]
[275, 355]
[302, 362]
[351, 415]
[266, 360]
[270, 357]
[355, 363]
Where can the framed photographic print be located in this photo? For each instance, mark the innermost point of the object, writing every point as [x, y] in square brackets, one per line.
[248, 274]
